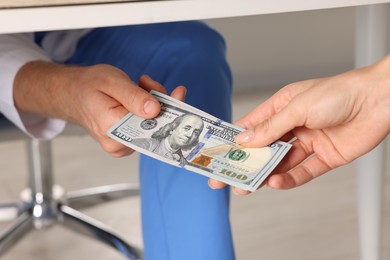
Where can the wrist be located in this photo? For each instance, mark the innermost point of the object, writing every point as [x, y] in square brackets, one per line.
[379, 90]
[383, 89]
[39, 88]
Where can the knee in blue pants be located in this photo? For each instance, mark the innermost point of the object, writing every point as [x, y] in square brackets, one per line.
[182, 217]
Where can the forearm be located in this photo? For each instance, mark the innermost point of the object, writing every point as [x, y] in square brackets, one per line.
[15, 51]
[43, 88]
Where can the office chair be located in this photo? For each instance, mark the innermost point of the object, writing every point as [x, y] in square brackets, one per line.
[372, 26]
[44, 204]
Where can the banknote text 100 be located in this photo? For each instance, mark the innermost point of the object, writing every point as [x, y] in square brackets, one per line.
[231, 174]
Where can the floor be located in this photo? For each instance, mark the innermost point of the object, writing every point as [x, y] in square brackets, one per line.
[317, 221]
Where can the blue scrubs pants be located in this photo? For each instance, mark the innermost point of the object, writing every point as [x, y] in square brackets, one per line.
[182, 218]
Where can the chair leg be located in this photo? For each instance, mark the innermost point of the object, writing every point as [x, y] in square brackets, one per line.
[92, 228]
[371, 45]
[96, 196]
[44, 205]
[15, 231]
[9, 211]
[370, 177]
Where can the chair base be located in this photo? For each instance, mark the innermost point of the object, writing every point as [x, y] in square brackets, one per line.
[36, 212]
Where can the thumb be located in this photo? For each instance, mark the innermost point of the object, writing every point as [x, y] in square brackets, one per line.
[136, 100]
[144, 105]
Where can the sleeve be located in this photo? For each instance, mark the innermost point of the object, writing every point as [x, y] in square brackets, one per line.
[15, 51]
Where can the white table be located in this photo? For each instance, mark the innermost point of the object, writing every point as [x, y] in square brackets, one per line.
[371, 44]
[94, 15]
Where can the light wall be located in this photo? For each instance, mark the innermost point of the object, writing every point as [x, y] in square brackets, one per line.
[270, 51]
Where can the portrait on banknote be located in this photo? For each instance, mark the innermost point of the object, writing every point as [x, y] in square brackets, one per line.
[170, 140]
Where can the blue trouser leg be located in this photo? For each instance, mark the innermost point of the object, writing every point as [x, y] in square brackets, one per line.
[183, 219]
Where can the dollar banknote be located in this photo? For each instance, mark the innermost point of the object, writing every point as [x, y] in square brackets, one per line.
[187, 137]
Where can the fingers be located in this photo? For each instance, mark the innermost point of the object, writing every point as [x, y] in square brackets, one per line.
[179, 93]
[296, 155]
[215, 185]
[241, 192]
[298, 159]
[149, 84]
[275, 117]
[274, 104]
[283, 179]
[115, 149]
[303, 173]
[137, 99]
[273, 128]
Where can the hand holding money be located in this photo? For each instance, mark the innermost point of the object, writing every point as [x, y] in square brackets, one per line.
[187, 137]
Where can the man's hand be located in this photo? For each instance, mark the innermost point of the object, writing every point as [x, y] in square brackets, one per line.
[96, 97]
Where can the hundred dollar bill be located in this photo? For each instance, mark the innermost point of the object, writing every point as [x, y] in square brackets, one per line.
[192, 139]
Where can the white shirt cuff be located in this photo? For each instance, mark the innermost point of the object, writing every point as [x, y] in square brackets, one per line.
[15, 51]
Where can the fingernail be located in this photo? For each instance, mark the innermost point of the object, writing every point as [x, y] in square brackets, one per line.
[245, 137]
[151, 106]
[235, 192]
[210, 185]
[240, 192]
